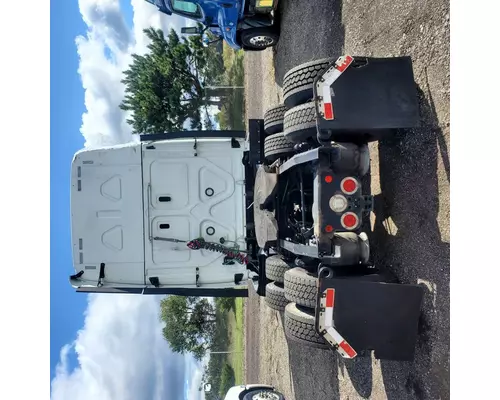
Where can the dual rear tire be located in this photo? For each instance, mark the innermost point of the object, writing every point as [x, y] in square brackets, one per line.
[276, 268]
[293, 291]
[301, 292]
[295, 120]
[299, 121]
[275, 144]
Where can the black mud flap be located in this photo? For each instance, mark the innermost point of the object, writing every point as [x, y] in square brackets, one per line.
[366, 94]
[370, 315]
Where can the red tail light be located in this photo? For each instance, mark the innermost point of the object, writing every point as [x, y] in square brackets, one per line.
[349, 185]
[349, 220]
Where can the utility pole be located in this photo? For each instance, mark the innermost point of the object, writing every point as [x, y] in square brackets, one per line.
[225, 87]
[225, 352]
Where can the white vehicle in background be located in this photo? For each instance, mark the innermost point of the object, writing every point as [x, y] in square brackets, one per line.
[253, 392]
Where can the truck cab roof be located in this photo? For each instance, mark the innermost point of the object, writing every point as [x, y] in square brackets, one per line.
[135, 207]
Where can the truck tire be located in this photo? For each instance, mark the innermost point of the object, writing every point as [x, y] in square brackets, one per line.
[259, 38]
[275, 297]
[264, 394]
[300, 327]
[298, 82]
[276, 146]
[301, 287]
[276, 268]
[299, 123]
[273, 119]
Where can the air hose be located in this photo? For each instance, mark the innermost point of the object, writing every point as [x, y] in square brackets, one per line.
[200, 243]
[234, 254]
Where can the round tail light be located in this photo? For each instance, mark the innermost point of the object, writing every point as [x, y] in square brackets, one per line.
[349, 220]
[349, 185]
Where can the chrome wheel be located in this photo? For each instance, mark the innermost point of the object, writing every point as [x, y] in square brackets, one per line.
[266, 396]
[261, 41]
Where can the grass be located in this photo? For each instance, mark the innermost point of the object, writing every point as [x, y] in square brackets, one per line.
[232, 115]
[235, 325]
[226, 370]
[228, 55]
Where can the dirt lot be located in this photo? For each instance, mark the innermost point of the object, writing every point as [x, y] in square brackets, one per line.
[410, 178]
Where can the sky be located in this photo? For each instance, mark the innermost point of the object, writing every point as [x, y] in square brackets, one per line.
[105, 347]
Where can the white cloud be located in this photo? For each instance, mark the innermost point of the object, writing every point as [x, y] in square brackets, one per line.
[104, 54]
[121, 354]
[194, 372]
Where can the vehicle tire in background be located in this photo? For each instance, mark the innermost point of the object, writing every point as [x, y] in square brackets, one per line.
[273, 119]
[300, 326]
[259, 38]
[276, 146]
[301, 287]
[263, 394]
[275, 297]
[298, 82]
[299, 123]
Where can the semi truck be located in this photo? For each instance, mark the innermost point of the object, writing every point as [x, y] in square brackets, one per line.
[244, 24]
[279, 208]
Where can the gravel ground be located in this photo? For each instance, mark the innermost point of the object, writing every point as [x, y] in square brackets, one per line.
[410, 178]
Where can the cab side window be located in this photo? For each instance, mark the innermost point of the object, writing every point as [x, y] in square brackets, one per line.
[186, 7]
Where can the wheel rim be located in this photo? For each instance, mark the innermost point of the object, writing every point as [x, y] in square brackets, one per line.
[266, 396]
[261, 41]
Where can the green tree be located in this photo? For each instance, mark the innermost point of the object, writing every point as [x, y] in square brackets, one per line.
[225, 303]
[227, 379]
[189, 324]
[166, 86]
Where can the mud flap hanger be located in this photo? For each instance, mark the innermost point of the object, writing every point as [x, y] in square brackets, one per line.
[324, 87]
[326, 328]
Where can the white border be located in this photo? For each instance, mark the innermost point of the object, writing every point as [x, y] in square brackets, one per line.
[475, 153]
[25, 216]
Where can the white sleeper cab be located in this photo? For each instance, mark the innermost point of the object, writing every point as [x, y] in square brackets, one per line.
[165, 214]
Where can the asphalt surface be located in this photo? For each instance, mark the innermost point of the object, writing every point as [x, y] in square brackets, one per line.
[410, 177]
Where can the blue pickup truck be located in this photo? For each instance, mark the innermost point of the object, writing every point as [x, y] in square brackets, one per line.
[243, 24]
